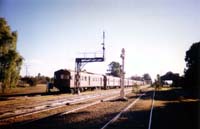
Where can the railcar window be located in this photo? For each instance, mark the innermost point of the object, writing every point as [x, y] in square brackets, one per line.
[67, 77]
[61, 76]
[85, 78]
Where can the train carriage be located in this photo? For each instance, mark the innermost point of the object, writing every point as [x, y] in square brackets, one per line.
[116, 81]
[62, 80]
[65, 80]
[96, 80]
[90, 80]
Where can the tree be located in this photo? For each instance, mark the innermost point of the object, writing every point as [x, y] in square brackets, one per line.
[114, 69]
[32, 81]
[10, 59]
[192, 72]
[147, 78]
[138, 78]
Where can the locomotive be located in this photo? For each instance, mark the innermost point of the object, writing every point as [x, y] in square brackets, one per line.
[65, 81]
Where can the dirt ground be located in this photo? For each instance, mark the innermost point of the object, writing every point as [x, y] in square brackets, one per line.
[173, 109]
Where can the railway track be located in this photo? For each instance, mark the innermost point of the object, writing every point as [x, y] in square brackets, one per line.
[115, 118]
[84, 100]
[120, 113]
[55, 104]
[139, 111]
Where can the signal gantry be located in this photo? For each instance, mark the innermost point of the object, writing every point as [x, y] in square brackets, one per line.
[81, 62]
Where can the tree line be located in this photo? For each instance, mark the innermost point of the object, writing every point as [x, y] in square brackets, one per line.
[115, 70]
[33, 81]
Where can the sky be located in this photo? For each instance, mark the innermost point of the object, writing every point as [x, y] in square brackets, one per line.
[154, 33]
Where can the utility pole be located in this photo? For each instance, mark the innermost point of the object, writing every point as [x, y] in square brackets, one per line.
[122, 94]
[26, 68]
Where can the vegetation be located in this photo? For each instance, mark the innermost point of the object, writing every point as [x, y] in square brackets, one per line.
[147, 78]
[114, 69]
[192, 72]
[135, 88]
[157, 82]
[33, 81]
[10, 59]
[138, 78]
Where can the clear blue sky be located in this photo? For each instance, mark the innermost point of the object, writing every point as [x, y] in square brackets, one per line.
[154, 33]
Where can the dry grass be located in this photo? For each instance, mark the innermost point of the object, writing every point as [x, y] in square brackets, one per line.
[40, 88]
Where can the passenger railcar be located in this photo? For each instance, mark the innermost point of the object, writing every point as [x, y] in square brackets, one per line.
[62, 80]
[65, 81]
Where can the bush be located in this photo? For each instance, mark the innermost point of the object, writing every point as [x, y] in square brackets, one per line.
[135, 88]
[30, 80]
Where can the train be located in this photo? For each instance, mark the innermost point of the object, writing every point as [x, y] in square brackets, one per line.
[65, 81]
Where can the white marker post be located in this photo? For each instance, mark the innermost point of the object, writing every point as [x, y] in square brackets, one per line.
[122, 94]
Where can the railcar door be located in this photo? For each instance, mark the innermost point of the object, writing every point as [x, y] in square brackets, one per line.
[100, 81]
[88, 80]
[104, 82]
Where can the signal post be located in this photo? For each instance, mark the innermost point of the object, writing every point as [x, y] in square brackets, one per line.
[122, 94]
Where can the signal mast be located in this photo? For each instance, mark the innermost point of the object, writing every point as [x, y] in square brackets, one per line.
[81, 62]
